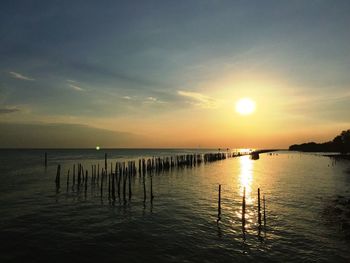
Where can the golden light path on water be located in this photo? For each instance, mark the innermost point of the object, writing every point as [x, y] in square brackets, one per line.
[245, 181]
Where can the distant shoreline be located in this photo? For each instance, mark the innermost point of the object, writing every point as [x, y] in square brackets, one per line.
[339, 156]
[340, 144]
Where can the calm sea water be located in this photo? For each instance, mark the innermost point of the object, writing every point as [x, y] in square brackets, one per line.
[39, 225]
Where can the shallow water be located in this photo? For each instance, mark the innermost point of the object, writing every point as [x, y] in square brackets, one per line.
[38, 224]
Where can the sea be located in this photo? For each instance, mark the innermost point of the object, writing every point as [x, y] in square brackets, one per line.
[41, 223]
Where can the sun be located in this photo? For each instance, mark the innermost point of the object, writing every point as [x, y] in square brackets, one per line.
[245, 106]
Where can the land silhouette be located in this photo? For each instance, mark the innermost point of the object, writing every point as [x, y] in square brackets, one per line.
[340, 144]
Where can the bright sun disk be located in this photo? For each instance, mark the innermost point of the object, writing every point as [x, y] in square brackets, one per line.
[245, 106]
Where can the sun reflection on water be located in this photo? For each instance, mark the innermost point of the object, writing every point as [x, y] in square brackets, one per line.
[246, 178]
[245, 181]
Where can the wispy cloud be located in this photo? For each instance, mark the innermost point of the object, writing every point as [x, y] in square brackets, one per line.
[153, 100]
[126, 97]
[199, 99]
[76, 87]
[8, 110]
[17, 75]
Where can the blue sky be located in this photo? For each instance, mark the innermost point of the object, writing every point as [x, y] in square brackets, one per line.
[113, 64]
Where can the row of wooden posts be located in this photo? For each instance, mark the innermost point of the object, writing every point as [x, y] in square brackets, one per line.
[165, 163]
[244, 209]
[116, 180]
[122, 173]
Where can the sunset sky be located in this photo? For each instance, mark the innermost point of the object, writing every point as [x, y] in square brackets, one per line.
[169, 73]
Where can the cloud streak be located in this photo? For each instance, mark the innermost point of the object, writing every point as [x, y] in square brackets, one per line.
[8, 110]
[76, 87]
[17, 75]
[199, 99]
[153, 100]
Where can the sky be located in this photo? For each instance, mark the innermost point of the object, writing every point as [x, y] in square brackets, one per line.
[169, 73]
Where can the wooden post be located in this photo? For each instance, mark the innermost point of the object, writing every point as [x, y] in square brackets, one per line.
[102, 183]
[243, 208]
[219, 205]
[151, 189]
[45, 163]
[68, 179]
[106, 162]
[259, 209]
[144, 188]
[264, 211]
[86, 180]
[124, 184]
[109, 185]
[82, 175]
[79, 174]
[113, 184]
[129, 186]
[119, 178]
[139, 166]
[58, 175]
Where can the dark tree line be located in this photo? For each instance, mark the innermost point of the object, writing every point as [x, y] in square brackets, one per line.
[340, 143]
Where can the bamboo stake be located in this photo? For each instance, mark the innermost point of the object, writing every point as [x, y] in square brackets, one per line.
[243, 209]
[259, 208]
[106, 162]
[58, 175]
[68, 179]
[219, 205]
[129, 186]
[152, 196]
[264, 211]
[144, 188]
[45, 163]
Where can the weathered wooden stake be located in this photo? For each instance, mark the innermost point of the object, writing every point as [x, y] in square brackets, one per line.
[102, 183]
[113, 186]
[151, 189]
[119, 178]
[144, 188]
[86, 179]
[259, 209]
[79, 174]
[58, 175]
[106, 162]
[219, 205]
[82, 175]
[264, 211]
[68, 178]
[109, 186]
[129, 186]
[124, 184]
[243, 208]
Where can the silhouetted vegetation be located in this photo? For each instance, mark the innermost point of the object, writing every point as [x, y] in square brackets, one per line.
[340, 143]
